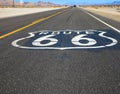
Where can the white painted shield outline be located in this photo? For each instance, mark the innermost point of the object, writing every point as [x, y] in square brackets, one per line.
[31, 34]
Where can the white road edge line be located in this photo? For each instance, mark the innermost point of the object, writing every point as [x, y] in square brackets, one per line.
[101, 21]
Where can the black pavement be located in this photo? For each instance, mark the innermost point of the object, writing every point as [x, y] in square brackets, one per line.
[73, 71]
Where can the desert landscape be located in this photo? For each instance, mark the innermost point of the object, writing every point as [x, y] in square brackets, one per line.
[11, 12]
[8, 8]
[111, 12]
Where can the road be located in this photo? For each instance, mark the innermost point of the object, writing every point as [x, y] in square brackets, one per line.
[76, 70]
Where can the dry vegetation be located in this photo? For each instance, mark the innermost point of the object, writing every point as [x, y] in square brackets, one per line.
[102, 6]
[29, 6]
[39, 3]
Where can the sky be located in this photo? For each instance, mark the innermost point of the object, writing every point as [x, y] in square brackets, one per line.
[74, 1]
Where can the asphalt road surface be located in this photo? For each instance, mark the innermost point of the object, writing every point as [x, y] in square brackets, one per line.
[81, 57]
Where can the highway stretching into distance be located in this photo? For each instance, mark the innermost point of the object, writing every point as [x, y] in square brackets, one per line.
[65, 51]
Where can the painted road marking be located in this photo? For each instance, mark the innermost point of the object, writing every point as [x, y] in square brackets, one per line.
[29, 25]
[102, 21]
[67, 39]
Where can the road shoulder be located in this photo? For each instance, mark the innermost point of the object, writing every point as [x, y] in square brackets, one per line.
[12, 12]
[111, 13]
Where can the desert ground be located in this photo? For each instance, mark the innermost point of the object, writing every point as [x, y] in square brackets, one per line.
[11, 12]
[108, 12]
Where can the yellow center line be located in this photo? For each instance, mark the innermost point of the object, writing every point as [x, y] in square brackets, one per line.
[29, 25]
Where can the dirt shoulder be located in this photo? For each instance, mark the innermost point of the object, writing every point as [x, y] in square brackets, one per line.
[11, 12]
[112, 13]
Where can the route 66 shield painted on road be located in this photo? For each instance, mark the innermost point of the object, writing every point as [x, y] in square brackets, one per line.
[67, 39]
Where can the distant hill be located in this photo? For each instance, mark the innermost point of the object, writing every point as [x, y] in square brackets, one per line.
[39, 3]
[5, 2]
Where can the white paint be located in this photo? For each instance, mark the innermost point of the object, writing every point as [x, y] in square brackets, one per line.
[102, 21]
[114, 41]
[38, 41]
[43, 33]
[75, 40]
[55, 33]
[67, 33]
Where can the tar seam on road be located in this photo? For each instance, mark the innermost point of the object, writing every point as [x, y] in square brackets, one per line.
[29, 25]
[101, 21]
